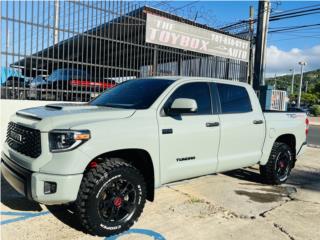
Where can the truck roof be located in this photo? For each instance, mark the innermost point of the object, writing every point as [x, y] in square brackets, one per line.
[183, 78]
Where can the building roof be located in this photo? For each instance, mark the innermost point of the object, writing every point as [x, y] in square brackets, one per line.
[125, 37]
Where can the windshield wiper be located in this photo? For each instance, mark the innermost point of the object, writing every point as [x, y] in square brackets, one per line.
[115, 105]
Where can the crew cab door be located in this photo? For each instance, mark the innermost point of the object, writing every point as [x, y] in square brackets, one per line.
[242, 128]
[189, 142]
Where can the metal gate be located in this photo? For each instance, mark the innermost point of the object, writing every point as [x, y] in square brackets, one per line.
[279, 100]
[73, 50]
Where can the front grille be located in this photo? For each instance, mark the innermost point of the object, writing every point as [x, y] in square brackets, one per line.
[24, 140]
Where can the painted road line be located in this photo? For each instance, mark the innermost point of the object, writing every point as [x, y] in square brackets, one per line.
[147, 232]
[21, 216]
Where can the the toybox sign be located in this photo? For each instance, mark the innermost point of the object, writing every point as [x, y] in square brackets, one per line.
[167, 32]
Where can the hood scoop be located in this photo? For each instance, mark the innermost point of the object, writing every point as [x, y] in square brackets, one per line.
[56, 107]
[28, 115]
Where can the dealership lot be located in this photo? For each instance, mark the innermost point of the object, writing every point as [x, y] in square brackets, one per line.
[234, 205]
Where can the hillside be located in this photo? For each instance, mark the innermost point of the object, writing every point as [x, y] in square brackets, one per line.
[284, 82]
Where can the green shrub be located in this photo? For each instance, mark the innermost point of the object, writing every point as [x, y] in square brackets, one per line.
[315, 110]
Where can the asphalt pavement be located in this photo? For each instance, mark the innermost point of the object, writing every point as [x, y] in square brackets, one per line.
[314, 135]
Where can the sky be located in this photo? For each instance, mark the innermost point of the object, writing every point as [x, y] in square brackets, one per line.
[284, 50]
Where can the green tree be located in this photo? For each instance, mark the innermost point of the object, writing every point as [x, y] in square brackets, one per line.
[309, 98]
[316, 89]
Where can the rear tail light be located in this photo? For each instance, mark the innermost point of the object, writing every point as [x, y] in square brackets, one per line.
[86, 83]
[80, 83]
[307, 126]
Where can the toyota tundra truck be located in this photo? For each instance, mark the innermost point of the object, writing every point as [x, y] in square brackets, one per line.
[107, 156]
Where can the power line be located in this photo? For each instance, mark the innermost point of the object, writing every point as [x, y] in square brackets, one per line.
[160, 3]
[189, 4]
[294, 28]
[295, 9]
[295, 14]
[276, 17]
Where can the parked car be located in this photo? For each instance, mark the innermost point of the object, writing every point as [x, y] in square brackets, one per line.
[14, 87]
[107, 156]
[71, 84]
[58, 85]
[13, 81]
[35, 87]
[296, 109]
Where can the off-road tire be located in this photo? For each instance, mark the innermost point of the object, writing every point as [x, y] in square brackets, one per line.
[93, 184]
[269, 171]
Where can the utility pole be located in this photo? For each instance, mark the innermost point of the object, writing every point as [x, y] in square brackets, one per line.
[302, 64]
[251, 32]
[56, 22]
[292, 80]
[306, 86]
[261, 41]
[275, 81]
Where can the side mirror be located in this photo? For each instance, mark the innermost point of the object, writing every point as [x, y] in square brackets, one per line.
[183, 105]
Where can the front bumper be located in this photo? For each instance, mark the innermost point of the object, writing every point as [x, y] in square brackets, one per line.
[19, 178]
[31, 184]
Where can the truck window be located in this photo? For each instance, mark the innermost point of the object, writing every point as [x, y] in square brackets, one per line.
[234, 99]
[198, 91]
[132, 94]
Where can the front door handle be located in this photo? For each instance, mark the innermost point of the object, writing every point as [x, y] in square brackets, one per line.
[257, 121]
[212, 124]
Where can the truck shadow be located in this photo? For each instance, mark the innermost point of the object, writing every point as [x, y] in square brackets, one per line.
[300, 177]
[15, 201]
[67, 215]
[308, 179]
[245, 174]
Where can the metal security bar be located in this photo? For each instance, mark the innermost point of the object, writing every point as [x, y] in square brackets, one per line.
[74, 50]
[279, 100]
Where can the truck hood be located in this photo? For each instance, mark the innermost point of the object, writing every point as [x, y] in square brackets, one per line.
[65, 116]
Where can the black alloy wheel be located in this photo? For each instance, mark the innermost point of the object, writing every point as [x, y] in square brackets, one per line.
[117, 201]
[283, 165]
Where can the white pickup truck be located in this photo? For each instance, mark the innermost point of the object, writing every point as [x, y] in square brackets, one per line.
[107, 156]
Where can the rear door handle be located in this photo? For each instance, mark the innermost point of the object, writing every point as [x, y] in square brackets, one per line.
[257, 121]
[212, 124]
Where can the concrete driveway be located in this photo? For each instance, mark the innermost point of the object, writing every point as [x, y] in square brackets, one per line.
[234, 205]
[314, 136]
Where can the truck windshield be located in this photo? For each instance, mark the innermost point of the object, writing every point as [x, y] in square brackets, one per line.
[132, 94]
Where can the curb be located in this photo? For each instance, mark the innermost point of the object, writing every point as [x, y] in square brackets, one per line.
[315, 121]
[313, 146]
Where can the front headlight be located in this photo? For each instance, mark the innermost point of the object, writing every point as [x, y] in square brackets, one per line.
[65, 140]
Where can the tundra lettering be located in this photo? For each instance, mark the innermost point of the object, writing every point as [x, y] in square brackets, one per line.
[185, 159]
